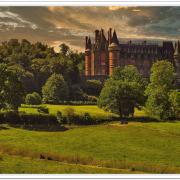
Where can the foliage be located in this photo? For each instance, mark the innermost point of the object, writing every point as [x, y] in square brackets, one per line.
[174, 99]
[161, 83]
[55, 89]
[60, 118]
[33, 99]
[64, 49]
[93, 87]
[76, 93]
[11, 117]
[34, 63]
[43, 110]
[123, 92]
[69, 114]
[11, 90]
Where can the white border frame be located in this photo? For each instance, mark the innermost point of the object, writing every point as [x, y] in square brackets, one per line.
[90, 3]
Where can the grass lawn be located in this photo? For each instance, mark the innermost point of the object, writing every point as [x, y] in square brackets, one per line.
[80, 109]
[147, 147]
[18, 164]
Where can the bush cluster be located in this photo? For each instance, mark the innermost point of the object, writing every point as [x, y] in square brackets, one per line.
[33, 99]
[71, 117]
[43, 110]
[12, 117]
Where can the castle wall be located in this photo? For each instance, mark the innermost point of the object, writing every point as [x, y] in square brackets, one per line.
[100, 61]
[113, 60]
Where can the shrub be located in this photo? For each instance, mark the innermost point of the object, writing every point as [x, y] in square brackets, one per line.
[11, 117]
[174, 99]
[92, 99]
[28, 119]
[93, 87]
[33, 99]
[38, 119]
[43, 110]
[70, 115]
[60, 118]
[86, 119]
[76, 93]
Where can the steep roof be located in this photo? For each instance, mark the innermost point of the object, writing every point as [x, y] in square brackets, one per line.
[114, 38]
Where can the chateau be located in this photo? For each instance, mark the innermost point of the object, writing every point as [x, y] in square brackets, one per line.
[103, 55]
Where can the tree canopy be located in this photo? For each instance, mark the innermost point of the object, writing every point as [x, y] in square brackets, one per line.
[121, 93]
[161, 84]
[55, 89]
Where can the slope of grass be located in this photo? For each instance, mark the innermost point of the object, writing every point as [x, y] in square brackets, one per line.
[18, 164]
[148, 147]
[93, 110]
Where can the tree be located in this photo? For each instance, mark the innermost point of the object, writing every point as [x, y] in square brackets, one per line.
[93, 87]
[64, 49]
[161, 83]
[174, 98]
[33, 98]
[55, 89]
[121, 95]
[12, 92]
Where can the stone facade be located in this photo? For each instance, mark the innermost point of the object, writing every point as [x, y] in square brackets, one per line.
[105, 54]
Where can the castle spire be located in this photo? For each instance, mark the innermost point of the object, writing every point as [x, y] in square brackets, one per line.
[89, 43]
[114, 38]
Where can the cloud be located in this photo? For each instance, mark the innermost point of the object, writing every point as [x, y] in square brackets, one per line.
[54, 25]
[9, 19]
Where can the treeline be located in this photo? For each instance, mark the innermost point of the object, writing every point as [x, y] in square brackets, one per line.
[25, 68]
[126, 90]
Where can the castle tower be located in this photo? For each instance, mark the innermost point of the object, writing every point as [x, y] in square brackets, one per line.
[88, 56]
[177, 62]
[113, 53]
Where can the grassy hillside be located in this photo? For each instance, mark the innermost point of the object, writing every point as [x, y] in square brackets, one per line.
[18, 164]
[80, 109]
[147, 147]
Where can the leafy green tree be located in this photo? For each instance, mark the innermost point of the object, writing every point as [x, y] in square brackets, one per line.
[64, 49]
[35, 63]
[55, 89]
[93, 87]
[174, 98]
[3, 76]
[25, 77]
[11, 89]
[161, 83]
[33, 98]
[122, 94]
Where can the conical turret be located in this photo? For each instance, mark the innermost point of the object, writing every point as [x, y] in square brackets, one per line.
[114, 38]
[113, 53]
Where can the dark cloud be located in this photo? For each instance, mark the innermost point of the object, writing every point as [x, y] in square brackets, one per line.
[55, 25]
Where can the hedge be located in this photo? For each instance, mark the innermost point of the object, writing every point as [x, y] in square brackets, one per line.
[27, 119]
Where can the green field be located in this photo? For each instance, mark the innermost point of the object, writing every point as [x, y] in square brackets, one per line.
[80, 109]
[18, 164]
[152, 147]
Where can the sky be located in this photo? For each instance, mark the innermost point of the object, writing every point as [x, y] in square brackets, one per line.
[70, 25]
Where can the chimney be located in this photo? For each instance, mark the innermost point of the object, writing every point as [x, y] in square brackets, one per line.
[110, 35]
[86, 42]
